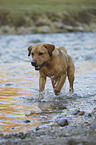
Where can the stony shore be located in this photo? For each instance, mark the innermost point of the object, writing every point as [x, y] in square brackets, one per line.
[78, 134]
[50, 22]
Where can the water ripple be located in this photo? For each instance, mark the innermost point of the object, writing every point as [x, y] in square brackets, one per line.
[79, 45]
[19, 81]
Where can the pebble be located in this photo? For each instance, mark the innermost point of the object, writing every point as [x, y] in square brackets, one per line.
[62, 107]
[81, 113]
[75, 112]
[63, 122]
[12, 127]
[37, 128]
[26, 121]
[89, 114]
[21, 135]
[95, 108]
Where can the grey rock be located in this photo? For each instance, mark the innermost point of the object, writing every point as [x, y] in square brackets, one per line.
[26, 121]
[63, 122]
[43, 29]
[71, 28]
[75, 112]
[7, 30]
[27, 30]
[58, 25]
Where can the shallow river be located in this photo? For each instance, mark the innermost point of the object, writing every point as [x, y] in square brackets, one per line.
[20, 109]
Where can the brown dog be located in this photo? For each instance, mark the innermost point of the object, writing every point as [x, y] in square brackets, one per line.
[53, 63]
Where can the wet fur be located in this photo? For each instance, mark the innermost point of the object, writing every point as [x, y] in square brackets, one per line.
[58, 65]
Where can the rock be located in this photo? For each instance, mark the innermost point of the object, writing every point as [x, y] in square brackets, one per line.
[58, 25]
[81, 113]
[21, 135]
[63, 122]
[68, 28]
[26, 121]
[37, 128]
[27, 30]
[1, 134]
[7, 136]
[95, 108]
[89, 114]
[62, 107]
[12, 128]
[43, 29]
[94, 111]
[7, 30]
[42, 22]
[75, 112]
[73, 28]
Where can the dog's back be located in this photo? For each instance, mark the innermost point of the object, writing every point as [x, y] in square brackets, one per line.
[63, 49]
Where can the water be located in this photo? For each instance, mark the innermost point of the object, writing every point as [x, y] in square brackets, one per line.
[19, 82]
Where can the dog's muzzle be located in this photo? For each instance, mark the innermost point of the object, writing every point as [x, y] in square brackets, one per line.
[34, 62]
[37, 67]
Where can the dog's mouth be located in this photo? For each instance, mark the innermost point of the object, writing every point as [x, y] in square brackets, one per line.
[38, 67]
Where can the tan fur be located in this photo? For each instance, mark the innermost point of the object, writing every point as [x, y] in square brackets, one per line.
[57, 65]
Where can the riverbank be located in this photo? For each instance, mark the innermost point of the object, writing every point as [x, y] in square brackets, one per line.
[81, 132]
[27, 17]
[52, 22]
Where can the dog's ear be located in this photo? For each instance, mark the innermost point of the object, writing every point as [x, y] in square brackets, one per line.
[50, 48]
[29, 49]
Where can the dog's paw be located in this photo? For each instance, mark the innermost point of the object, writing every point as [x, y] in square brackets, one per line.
[71, 90]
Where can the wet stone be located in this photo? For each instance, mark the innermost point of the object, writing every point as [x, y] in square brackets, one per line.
[95, 108]
[8, 84]
[81, 113]
[22, 135]
[1, 134]
[7, 136]
[89, 114]
[63, 122]
[26, 121]
[12, 128]
[37, 128]
[62, 107]
[75, 112]
[31, 113]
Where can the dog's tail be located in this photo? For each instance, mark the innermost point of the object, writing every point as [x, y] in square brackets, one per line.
[63, 48]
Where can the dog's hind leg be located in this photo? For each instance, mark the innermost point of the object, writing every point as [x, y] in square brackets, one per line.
[71, 80]
[70, 73]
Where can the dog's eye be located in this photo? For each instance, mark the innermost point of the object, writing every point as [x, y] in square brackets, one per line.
[40, 53]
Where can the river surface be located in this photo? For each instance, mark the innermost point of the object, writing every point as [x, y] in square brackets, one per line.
[20, 110]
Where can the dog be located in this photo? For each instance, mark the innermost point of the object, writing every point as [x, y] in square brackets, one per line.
[54, 63]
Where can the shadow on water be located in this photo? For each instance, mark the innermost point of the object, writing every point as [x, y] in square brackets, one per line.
[20, 109]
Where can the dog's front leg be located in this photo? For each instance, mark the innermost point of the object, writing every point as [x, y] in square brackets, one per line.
[60, 84]
[42, 81]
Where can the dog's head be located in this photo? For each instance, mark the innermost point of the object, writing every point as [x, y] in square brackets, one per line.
[41, 53]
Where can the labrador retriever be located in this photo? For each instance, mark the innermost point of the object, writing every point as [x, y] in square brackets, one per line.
[54, 63]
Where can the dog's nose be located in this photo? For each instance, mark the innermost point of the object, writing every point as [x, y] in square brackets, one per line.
[34, 62]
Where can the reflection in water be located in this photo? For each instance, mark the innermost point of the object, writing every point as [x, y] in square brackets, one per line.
[12, 88]
[20, 109]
